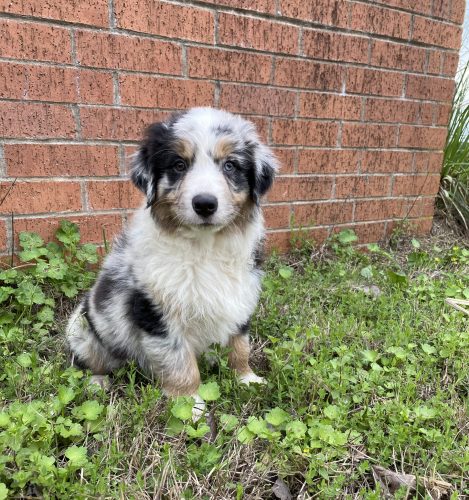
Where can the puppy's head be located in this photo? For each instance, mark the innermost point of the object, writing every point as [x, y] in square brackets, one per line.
[203, 168]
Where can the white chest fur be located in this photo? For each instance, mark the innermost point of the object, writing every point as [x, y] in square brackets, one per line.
[205, 285]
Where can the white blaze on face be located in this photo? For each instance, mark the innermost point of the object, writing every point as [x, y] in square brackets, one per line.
[205, 177]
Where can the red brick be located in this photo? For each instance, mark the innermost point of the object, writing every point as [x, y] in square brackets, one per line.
[117, 124]
[34, 41]
[367, 233]
[35, 120]
[442, 114]
[169, 20]
[441, 8]
[304, 133]
[96, 87]
[411, 185]
[397, 56]
[426, 113]
[93, 228]
[259, 100]
[421, 227]
[422, 137]
[436, 33]
[422, 6]
[103, 50]
[155, 92]
[129, 151]
[282, 241]
[431, 88]
[435, 61]
[366, 135]
[40, 197]
[300, 189]
[369, 81]
[229, 65]
[104, 195]
[335, 46]
[428, 162]
[307, 74]
[267, 6]
[324, 213]
[287, 158]
[458, 9]
[259, 34]
[392, 110]
[3, 237]
[94, 13]
[450, 64]
[380, 209]
[50, 83]
[380, 21]
[44, 160]
[387, 161]
[329, 12]
[316, 105]
[328, 161]
[362, 186]
[421, 207]
[276, 216]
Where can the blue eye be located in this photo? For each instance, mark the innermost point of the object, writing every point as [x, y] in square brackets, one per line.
[228, 166]
[180, 166]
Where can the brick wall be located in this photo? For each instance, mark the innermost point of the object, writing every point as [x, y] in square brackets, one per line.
[353, 96]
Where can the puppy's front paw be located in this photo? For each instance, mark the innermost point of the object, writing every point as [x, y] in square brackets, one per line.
[198, 410]
[251, 378]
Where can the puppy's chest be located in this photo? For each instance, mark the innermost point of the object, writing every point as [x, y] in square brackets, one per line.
[206, 298]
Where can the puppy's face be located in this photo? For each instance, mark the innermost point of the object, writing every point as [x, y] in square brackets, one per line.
[203, 169]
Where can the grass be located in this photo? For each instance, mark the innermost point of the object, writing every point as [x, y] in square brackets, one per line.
[367, 370]
[454, 187]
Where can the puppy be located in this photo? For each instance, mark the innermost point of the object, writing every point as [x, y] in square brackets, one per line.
[185, 273]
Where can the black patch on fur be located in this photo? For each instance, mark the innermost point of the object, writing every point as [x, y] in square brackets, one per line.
[104, 289]
[259, 254]
[156, 159]
[265, 179]
[115, 351]
[146, 315]
[222, 130]
[87, 316]
[244, 328]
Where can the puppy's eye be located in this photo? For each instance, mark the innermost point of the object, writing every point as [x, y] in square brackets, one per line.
[180, 166]
[228, 166]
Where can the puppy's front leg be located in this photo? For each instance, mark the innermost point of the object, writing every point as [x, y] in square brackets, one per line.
[238, 359]
[180, 377]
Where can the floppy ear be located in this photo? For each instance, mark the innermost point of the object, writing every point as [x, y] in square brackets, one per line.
[266, 166]
[144, 171]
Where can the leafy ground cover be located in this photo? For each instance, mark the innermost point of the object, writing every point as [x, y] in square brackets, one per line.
[367, 376]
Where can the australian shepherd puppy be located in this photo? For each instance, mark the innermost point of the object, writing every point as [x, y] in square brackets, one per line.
[185, 273]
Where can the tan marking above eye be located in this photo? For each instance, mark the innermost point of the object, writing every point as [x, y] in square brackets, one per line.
[223, 148]
[185, 149]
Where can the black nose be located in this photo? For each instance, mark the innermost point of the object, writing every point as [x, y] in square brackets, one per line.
[204, 204]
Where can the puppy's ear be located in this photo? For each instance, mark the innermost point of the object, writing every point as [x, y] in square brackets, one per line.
[144, 172]
[266, 166]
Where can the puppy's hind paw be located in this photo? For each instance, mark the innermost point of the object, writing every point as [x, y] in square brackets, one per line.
[101, 381]
[251, 378]
[198, 410]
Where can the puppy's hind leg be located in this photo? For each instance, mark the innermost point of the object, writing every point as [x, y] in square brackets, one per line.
[87, 350]
[238, 359]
